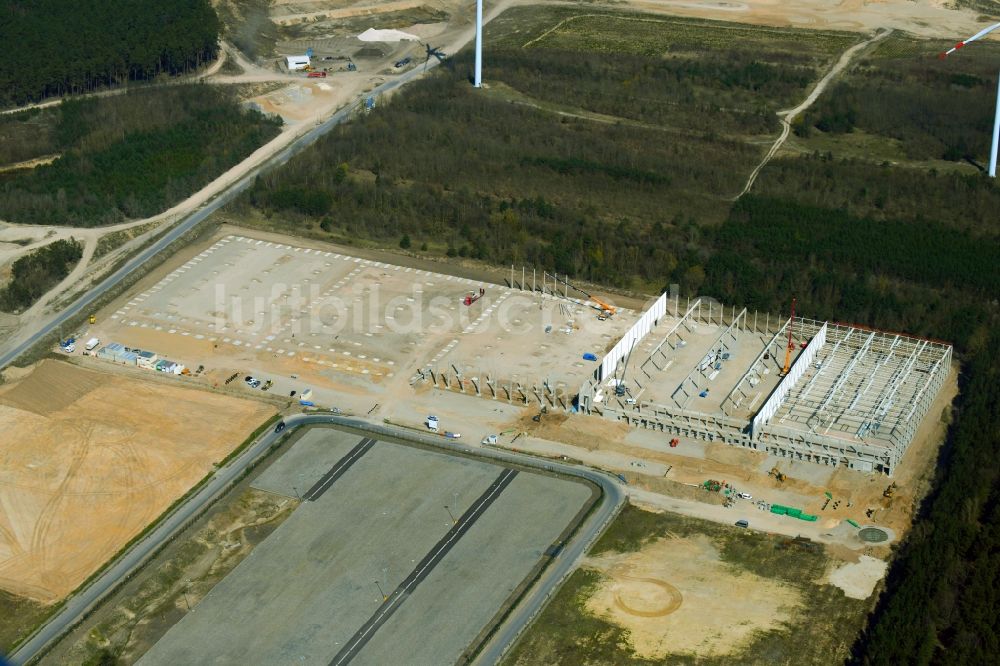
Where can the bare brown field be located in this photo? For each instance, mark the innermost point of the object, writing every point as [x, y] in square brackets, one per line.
[90, 459]
[676, 595]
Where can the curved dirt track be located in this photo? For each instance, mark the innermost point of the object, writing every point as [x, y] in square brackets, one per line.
[787, 116]
[673, 598]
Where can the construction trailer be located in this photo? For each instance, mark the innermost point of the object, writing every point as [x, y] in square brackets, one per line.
[851, 397]
[147, 359]
[296, 63]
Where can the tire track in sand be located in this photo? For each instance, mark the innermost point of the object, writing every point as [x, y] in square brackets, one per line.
[39, 549]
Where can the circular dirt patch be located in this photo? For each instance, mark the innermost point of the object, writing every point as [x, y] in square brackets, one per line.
[873, 535]
[647, 597]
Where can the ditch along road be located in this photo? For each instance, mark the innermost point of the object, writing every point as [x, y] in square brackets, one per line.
[788, 116]
[215, 195]
[612, 500]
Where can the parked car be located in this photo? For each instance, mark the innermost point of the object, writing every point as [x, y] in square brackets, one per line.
[402, 63]
[280, 426]
[746, 496]
[742, 523]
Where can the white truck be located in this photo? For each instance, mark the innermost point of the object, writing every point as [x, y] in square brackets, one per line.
[432, 423]
[92, 344]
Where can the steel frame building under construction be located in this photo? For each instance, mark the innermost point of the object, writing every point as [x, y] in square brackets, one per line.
[852, 396]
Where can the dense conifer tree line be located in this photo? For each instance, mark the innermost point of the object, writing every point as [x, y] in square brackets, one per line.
[55, 47]
[131, 155]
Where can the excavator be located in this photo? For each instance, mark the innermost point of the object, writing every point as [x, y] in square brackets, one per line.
[777, 474]
[606, 310]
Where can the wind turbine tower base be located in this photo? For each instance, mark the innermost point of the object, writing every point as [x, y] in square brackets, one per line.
[996, 135]
[478, 77]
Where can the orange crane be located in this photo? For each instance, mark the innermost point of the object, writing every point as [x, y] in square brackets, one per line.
[607, 310]
[791, 345]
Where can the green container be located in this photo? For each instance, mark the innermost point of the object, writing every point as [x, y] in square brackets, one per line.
[792, 511]
[807, 517]
[778, 509]
[851, 522]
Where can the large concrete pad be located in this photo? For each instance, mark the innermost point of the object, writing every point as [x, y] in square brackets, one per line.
[480, 573]
[307, 589]
[308, 459]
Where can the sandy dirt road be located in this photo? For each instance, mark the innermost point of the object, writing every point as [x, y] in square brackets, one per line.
[788, 116]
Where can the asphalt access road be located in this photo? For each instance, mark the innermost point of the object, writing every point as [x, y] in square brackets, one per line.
[76, 606]
[193, 219]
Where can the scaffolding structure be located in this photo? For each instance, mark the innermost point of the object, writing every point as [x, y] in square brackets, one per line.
[854, 397]
[866, 388]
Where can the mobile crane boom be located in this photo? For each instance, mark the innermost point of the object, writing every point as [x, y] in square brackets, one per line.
[606, 309]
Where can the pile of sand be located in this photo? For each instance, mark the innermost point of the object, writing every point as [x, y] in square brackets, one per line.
[373, 35]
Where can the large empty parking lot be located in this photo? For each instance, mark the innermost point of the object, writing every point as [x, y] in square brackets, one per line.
[389, 540]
